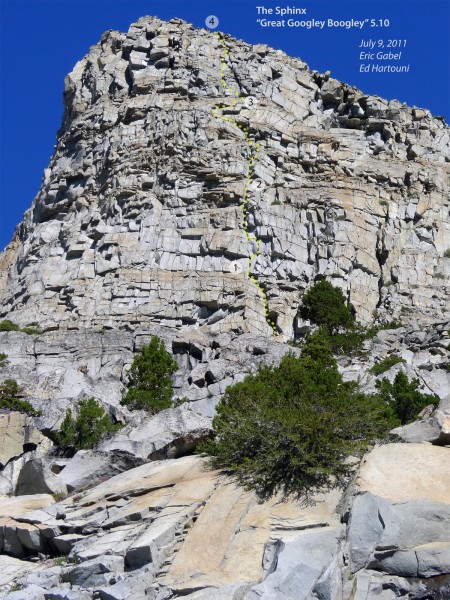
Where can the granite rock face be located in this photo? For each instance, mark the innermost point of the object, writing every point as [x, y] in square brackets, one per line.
[18, 435]
[174, 529]
[59, 368]
[162, 524]
[138, 230]
[138, 219]
[37, 478]
[398, 536]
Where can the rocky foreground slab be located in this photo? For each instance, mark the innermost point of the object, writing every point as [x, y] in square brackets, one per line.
[173, 528]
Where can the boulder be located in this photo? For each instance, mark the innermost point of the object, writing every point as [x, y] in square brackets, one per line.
[229, 592]
[302, 566]
[159, 536]
[13, 568]
[368, 584]
[18, 434]
[403, 472]
[434, 428]
[433, 559]
[26, 525]
[400, 518]
[391, 536]
[46, 578]
[64, 543]
[171, 433]
[94, 573]
[425, 430]
[366, 527]
[30, 592]
[89, 467]
[14, 507]
[61, 593]
[37, 478]
[15, 465]
[138, 584]
[6, 487]
[428, 560]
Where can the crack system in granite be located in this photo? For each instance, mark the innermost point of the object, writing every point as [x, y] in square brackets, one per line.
[254, 155]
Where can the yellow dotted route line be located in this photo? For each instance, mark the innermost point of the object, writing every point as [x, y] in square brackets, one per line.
[250, 238]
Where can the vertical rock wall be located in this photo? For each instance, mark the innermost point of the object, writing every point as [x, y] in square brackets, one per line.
[139, 219]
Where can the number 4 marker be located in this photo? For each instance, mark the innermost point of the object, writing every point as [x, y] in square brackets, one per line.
[211, 22]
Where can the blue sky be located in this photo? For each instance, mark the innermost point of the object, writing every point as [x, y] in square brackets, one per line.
[41, 40]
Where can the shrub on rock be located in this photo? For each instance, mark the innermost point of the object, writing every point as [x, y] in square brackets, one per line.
[10, 391]
[384, 365]
[404, 397]
[149, 379]
[290, 429]
[85, 431]
[31, 329]
[349, 342]
[7, 325]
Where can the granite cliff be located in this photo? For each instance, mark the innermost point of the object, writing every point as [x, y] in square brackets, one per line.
[199, 186]
[138, 219]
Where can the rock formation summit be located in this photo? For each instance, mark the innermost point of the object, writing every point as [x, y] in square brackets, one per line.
[139, 221]
[199, 186]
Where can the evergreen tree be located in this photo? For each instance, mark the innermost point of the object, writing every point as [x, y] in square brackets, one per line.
[404, 397]
[90, 426]
[10, 392]
[149, 381]
[291, 428]
[325, 305]
[66, 436]
[10, 389]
